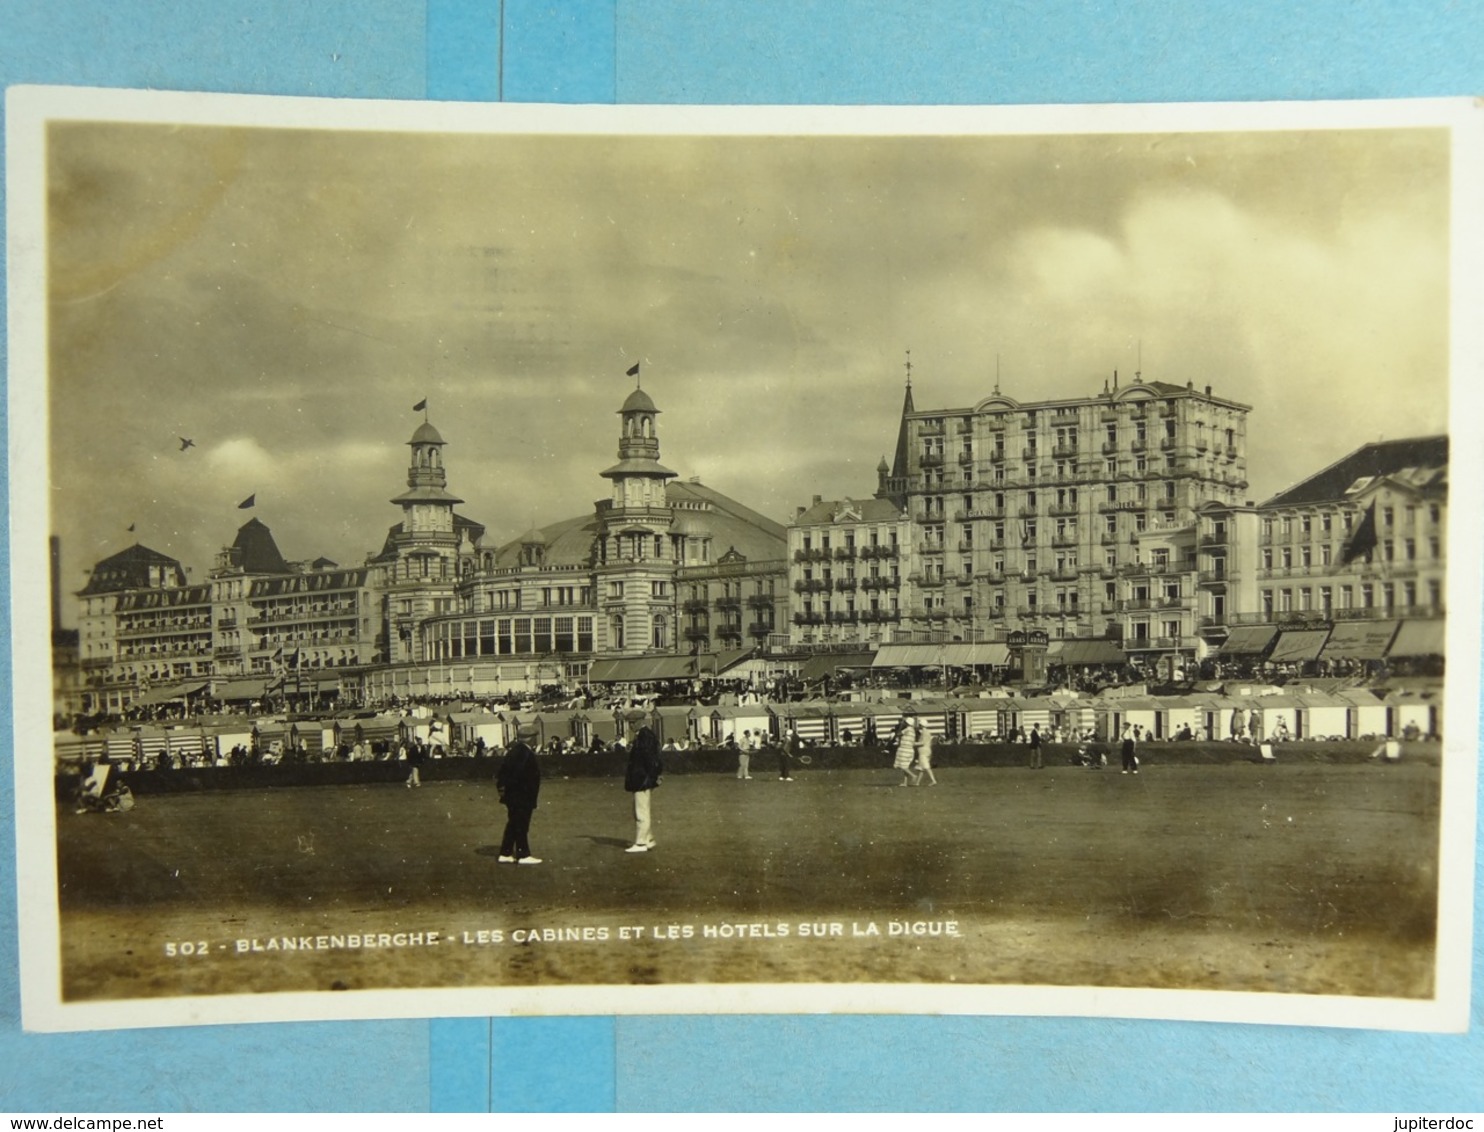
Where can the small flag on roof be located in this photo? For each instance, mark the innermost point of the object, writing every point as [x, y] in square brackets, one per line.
[633, 370]
[250, 501]
[420, 406]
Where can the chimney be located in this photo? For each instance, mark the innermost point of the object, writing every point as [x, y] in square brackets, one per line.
[798, 511]
[818, 499]
[1208, 391]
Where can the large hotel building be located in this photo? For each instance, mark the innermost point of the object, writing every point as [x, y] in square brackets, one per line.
[1117, 525]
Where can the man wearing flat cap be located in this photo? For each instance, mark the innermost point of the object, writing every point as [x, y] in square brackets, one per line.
[642, 777]
[519, 781]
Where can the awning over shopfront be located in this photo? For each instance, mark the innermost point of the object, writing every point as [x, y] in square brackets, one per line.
[1248, 640]
[237, 690]
[174, 693]
[824, 664]
[1074, 653]
[643, 669]
[1299, 644]
[1419, 638]
[957, 654]
[1359, 640]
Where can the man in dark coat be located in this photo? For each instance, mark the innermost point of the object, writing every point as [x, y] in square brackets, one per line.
[519, 782]
[642, 777]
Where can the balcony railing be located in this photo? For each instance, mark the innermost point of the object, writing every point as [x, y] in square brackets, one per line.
[878, 552]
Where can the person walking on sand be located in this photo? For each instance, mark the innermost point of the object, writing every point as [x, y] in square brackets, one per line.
[923, 745]
[906, 755]
[1130, 758]
[1035, 742]
[642, 778]
[519, 782]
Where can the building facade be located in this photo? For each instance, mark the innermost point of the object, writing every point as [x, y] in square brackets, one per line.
[1364, 540]
[1071, 517]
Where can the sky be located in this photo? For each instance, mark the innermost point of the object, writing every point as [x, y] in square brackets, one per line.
[283, 297]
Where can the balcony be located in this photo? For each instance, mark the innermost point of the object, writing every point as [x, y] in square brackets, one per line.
[1172, 603]
[1064, 574]
[884, 582]
[1167, 444]
[966, 457]
[812, 586]
[1135, 605]
[698, 604]
[842, 617]
[729, 604]
[1028, 611]
[965, 545]
[1065, 509]
[808, 618]
[1108, 416]
[1067, 538]
[694, 633]
[931, 461]
[227, 652]
[844, 584]
[1029, 455]
[844, 553]
[1213, 577]
[1064, 452]
[759, 628]
[760, 601]
[1110, 448]
[878, 552]
[930, 548]
[1167, 409]
[1213, 538]
[880, 615]
[811, 555]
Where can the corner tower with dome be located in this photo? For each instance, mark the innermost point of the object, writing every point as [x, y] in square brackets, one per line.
[426, 553]
[636, 555]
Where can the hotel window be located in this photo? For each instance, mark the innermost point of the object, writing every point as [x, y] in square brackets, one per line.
[1326, 599]
[1367, 596]
[1285, 600]
[1287, 558]
[1306, 525]
[1434, 514]
[1347, 597]
[1434, 547]
[1434, 593]
[1387, 516]
[1306, 556]
[542, 636]
[1306, 599]
[1409, 594]
[1409, 549]
[1388, 595]
[1267, 558]
[522, 634]
[1325, 555]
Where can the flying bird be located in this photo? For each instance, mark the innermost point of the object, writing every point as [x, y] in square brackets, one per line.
[186, 442]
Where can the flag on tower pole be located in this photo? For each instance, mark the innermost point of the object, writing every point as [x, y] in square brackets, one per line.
[633, 370]
[420, 406]
[1363, 541]
[250, 501]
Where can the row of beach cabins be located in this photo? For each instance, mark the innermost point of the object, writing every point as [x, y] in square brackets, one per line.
[458, 730]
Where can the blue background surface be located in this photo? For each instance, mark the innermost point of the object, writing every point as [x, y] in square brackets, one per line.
[731, 51]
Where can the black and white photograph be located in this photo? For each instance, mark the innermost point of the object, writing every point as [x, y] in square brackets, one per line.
[576, 560]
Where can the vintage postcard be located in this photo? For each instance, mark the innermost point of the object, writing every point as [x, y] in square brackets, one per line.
[530, 559]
